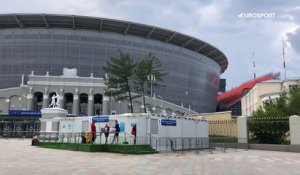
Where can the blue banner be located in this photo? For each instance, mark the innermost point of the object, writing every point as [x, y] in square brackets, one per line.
[24, 113]
[101, 119]
[122, 126]
[167, 122]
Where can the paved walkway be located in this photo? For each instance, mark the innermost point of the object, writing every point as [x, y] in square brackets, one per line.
[18, 157]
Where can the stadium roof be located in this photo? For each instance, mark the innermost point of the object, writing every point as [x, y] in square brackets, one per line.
[115, 26]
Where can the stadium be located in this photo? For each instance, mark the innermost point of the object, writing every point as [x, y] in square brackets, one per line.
[45, 43]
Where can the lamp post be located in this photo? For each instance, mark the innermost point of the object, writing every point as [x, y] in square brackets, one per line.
[110, 105]
[187, 95]
[151, 78]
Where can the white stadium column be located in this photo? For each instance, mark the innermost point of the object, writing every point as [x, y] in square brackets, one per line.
[75, 104]
[91, 105]
[6, 107]
[29, 101]
[61, 101]
[61, 98]
[45, 100]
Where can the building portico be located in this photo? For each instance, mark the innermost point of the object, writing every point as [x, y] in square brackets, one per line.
[80, 96]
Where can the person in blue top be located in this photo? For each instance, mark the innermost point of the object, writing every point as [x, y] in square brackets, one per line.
[117, 131]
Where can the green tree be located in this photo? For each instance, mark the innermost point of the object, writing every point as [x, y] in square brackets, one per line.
[269, 123]
[294, 101]
[148, 66]
[121, 72]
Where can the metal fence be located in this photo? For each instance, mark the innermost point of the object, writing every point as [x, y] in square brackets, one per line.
[14, 127]
[223, 127]
[17, 134]
[161, 144]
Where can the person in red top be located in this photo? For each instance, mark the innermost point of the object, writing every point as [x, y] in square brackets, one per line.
[93, 130]
[133, 132]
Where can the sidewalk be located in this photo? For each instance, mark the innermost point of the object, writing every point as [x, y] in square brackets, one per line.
[18, 157]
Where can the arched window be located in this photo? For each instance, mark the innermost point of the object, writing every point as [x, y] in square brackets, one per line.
[37, 101]
[83, 103]
[98, 104]
[68, 105]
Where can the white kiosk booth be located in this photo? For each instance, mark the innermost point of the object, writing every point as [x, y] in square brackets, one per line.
[150, 129]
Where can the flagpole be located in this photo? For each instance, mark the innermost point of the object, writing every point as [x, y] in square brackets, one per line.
[283, 57]
[253, 60]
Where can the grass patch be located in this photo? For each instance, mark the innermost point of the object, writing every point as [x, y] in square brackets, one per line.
[126, 149]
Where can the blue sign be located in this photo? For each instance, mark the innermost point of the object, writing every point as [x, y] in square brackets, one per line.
[167, 122]
[122, 126]
[24, 113]
[101, 119]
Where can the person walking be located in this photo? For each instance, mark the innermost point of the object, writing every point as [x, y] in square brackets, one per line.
[106, 133]
[117, 131]
[133, 132]
[93, 131]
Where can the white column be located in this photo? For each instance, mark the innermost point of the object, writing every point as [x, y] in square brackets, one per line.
[61, 101]
[7, 106]
[61, 98]
[242, 129]
[75, 109]
[295, 129]
[45, 101]
[91, 105]
[29, 101]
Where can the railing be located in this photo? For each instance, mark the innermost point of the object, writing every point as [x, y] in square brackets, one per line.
[160, 144]
[17, 134]
[224, 142]
[187, 144]
[223, 127]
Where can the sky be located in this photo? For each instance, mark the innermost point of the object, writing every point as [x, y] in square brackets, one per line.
[225, 24]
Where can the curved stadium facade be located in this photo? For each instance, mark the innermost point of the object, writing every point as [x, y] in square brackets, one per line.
[41, 43]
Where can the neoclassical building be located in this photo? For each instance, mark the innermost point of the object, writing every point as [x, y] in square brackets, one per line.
[78, 95]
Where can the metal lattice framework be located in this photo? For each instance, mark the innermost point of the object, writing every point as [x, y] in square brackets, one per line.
[114, 26]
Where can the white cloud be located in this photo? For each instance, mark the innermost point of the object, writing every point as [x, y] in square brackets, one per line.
[214, 21]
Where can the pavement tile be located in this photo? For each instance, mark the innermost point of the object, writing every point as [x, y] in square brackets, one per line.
[18, 157]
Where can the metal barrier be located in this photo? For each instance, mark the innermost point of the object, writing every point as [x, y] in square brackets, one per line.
[160, 144]
[223, 143]
[17, 134]
[223, 127]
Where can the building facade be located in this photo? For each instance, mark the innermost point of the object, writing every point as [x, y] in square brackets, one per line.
[263, 91]
[48, 43]
[231, 100]
[80, 96]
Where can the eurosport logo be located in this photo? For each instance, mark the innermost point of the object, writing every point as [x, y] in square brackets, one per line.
[256, 15]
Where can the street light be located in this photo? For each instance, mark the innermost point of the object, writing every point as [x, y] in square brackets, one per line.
[110, 99]
[187, 95]
[151, 78]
